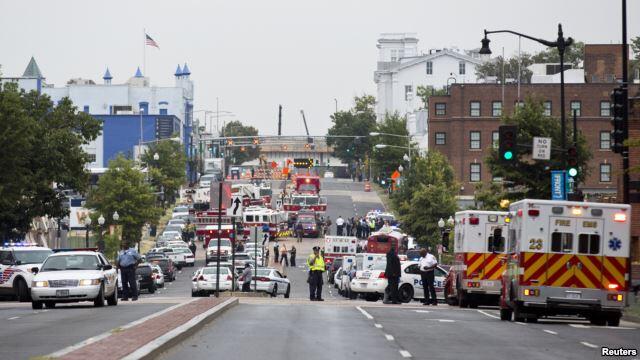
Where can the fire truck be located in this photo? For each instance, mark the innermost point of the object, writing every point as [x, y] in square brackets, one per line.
[263, 217]
[305, 194]
[566, 258]
[207, 226]
[480, 260]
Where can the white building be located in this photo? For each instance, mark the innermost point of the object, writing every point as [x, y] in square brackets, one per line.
[401, 69]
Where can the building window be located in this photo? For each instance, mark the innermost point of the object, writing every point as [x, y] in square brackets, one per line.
[86, 109]
[408, 92]
[461, 68]
[91, 157]
[519, 104]
[163, 112]
[547, 108]
[605, 108]
[441, 138]
[496, 108]
[474, 174]
[394, 55]
[575, 106]
[474, 108]
[429, 68]
[605, 172]
[144, 107]
[495, 139]
[441, 109]
[605, 140]
[474, 140]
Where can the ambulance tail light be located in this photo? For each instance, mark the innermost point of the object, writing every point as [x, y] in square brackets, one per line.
[533, 212]
[382, 276]
[531, 292]
[473, 284]
[619, 217]
[474, 221]
[615, 297]
[613, 286]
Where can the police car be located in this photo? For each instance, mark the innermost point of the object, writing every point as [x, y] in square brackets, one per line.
[16, 262]
[411, 282]
[74, 276]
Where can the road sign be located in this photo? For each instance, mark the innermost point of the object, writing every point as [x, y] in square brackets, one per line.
[395, 175]
[558, 185]
[235, 206]
[541, 148]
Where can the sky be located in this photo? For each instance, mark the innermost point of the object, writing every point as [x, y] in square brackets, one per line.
[253, 55]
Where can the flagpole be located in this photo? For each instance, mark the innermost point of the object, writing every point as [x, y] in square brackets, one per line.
[144, 52]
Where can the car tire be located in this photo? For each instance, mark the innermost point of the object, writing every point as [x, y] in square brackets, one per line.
[99, 300]
[372, 297]
[406, 293]
[22, 291]
[598, 318]
[517, 314]
[613, 319]
[274, 292]
[50, 304]
[353, 295]
[152, 288]
[194, 294]
[505, 314]
[36, 305]
[463, 302]
[113, 299]
[288, 293]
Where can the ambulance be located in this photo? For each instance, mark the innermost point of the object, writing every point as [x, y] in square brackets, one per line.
[566, 258]
[339, 246]
[480, 260]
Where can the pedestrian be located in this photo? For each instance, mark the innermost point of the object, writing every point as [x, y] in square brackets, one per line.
[339, 225]
[372, 226]
[349, 225]
[358, 225]
[246, 277]
[293, 255]
[327, 226]
[315, 262]
[299, 232]
[240, 247]
[276, 251]
[283, 255]
[428, 264]
[392, 272]
[193, 247]
[127, 261]
[322, 251]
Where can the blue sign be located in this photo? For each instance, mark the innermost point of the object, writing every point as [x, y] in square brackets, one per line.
[615, 244]
[558, 191]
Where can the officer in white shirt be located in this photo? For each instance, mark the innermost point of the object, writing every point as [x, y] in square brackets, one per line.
[339, 225]
[428, 265]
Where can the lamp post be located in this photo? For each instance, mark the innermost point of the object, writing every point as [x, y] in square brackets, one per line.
[444, 233]
[100, 240]
[87, 223]
[561, 44]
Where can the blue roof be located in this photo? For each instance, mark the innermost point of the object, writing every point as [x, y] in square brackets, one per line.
[185, 70]
[178, 71]
[107, 75]
[138, 72]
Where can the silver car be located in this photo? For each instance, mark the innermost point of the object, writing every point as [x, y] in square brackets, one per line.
[204, 279]
[271, 281]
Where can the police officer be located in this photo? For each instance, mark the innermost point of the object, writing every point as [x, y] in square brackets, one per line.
[392, 272]
[128, 258]
[428, 264]
[315, 262]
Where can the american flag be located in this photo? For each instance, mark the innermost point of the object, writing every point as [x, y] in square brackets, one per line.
[151, 42]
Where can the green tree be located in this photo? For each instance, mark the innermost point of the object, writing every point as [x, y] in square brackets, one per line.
[425, 92]
[359, 121]
[123, 188]
[386, 161]
[238, 155]
[426, 194]
[573, 55]
[40, 145]
[495, 66]
[531, 178]
[488, 196]
[169, 170]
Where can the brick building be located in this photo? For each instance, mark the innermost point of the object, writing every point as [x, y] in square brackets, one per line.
[634, 161]
[463, 125]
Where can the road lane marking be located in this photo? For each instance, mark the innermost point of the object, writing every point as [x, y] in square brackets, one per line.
[379, 326]
[520, 323]
[489, 315]
[588, 344]
[13, 318]
[405, 354]
[422, 311]
[580, 326]
[364, 313]
[446, 320]
[389, 337]
[550, 332]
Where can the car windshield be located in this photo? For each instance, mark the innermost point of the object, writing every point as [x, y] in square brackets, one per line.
[242, 257]
[176, 222]
[32, 256]
[180, 209]
[264, 272]
[163, 263]
[223, 242]
[378, 266]
[212, 271]
[70, 262]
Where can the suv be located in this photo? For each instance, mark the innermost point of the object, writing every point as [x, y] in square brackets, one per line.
[166, 265]
[144, 273]
[16, 263]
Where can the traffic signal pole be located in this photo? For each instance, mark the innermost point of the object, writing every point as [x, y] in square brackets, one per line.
[625, 109]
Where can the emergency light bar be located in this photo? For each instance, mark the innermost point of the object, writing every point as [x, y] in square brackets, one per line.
[620, 217]
[474, 221]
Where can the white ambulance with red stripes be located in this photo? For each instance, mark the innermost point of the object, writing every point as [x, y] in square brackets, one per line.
[479, 250]
[566, 258]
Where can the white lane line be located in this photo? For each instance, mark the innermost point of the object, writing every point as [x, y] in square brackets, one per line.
[550, 332]
[446, 320]
[379, 326]
[364, 313]
[580, 326]
[13, 318]
[489, 315]
[389, 337]
[588, 344]
[422, 311]
[520, 323]
[405, 354]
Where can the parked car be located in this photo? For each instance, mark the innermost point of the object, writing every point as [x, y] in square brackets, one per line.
[370, 282]
[243, 258]
[189, 258]
[144, 274]
[176, 256]
[411, 282]
[16, 263]
[328, 174]
[270, 281]
[166, 265]
[310, 227]
[203, 282]
[212, 250]
[157, 275]
[177, 222]
[333, 268]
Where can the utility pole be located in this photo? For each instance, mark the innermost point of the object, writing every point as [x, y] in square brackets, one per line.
[279, 120]
[625, 110]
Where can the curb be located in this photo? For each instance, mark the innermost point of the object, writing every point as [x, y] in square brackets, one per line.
[163, 343]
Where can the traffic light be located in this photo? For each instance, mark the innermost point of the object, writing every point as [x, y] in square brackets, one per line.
[507, 145]
[572, 161]
[617, 111]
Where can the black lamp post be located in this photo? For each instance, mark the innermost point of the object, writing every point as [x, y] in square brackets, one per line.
[561, 44]
[87, 223]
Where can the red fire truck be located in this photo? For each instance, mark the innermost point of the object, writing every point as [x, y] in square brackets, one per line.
[207, 226]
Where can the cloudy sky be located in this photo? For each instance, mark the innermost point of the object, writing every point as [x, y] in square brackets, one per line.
[255, 54]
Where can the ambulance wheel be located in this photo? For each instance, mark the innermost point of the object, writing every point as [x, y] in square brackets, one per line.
[405, 294]
[505, 314]
[517, 315]
[598, 318]
[463, 302]
[532, 320]
[613, 319]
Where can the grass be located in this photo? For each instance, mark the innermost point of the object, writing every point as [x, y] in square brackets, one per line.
[634, 308]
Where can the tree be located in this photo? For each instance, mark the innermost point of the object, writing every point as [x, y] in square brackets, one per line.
[494, 68]
[240, 154]
[573, 55]
[425, 92]
[530, 178]
[359, 121]
[40, 145]
[387, 160]
[426, 194]
[489, 196]
[124, 189]
[169, 169]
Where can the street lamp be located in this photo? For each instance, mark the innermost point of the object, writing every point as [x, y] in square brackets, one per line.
[561, 44]
[100, 241]
[382, 146]
[116, 216]
[405, 157]
[400, 168]
[445, 228]
[156, 157]
[87, 223]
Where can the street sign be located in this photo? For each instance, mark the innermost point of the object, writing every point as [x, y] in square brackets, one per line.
[541, 148]
[395, 175]
[558, 185]
[235, 206]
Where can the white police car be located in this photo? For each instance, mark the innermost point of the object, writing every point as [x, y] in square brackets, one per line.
[411, 282]
[74, 276]
[16, 262]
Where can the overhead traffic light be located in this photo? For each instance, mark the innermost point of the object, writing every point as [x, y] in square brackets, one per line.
[617, 111]
[507, 145]
[572, 161]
